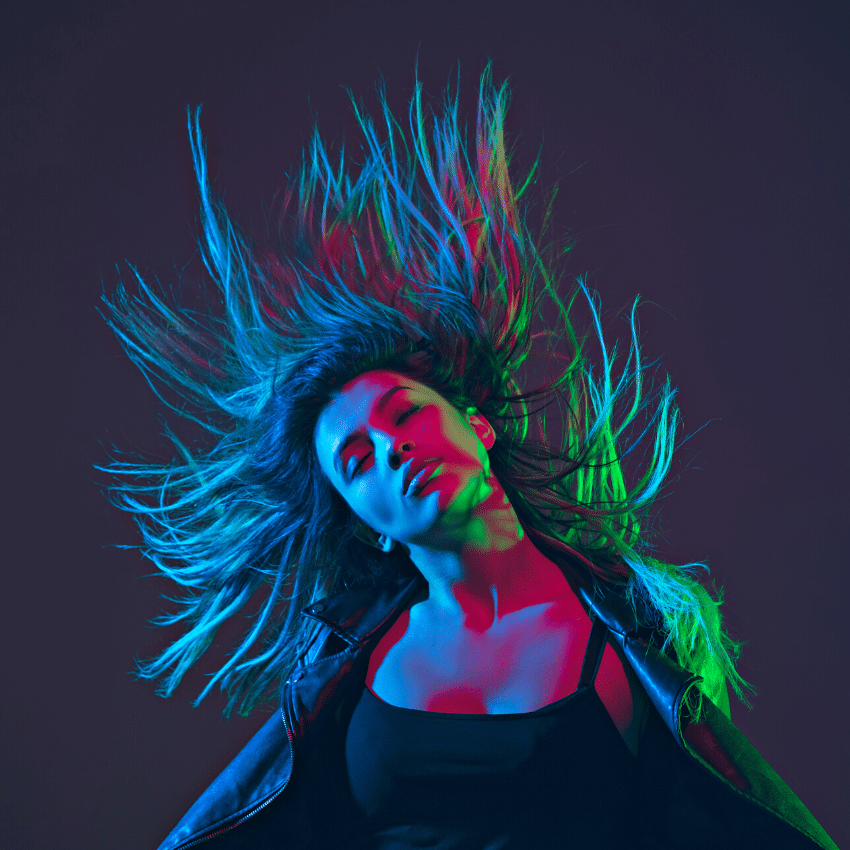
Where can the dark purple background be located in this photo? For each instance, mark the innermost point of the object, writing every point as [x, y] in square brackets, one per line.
[712, 140]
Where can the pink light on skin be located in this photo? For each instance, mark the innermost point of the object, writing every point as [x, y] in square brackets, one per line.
[461, 531]
[423, 479]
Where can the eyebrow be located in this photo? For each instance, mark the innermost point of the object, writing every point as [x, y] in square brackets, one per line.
[379, 408]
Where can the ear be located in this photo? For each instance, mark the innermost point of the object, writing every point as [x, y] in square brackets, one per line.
[483, 429]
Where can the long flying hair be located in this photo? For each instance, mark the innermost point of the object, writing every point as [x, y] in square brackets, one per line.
[419, 259]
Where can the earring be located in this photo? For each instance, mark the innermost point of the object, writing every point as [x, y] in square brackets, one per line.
[386, 544]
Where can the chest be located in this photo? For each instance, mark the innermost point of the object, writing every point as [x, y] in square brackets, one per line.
[533, 661]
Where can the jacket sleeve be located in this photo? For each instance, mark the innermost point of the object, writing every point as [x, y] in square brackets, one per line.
[248, 794]
[703, 785]
[687, 806]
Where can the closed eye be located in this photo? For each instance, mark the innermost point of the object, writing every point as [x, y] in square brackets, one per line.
[415, 409]
[407, 413]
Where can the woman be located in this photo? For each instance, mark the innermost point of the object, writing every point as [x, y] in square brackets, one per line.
[477, 646]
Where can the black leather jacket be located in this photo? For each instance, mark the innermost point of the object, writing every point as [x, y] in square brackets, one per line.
[702, 785]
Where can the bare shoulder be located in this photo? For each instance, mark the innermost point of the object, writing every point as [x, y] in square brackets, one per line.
[622, 695]
[381, 675]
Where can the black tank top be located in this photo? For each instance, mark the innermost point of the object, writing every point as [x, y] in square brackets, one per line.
[558, 777]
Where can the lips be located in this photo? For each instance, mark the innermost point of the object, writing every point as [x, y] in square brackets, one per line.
[416, 468]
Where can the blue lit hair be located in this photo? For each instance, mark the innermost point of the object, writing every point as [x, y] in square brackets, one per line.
[419, 261]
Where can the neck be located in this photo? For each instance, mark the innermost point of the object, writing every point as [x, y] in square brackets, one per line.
[489, 572]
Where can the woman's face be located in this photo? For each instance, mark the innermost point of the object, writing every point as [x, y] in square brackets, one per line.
[379, 432]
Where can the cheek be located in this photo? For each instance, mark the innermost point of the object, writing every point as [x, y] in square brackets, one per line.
[469, 445]
[366, 500]
[456, 437]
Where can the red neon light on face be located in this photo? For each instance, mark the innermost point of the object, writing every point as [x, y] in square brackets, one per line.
[379, 432]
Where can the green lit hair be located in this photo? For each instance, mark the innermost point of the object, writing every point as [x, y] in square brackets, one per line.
[418, 260]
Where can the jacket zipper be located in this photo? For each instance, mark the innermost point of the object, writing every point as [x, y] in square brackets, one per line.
[262, 805]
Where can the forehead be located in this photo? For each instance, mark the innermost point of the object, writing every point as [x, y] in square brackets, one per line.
[360, 394]
[370, 386]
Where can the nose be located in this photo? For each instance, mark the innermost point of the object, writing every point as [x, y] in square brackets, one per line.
[395, 458]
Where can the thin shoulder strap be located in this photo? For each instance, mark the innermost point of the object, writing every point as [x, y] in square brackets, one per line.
[593, 653]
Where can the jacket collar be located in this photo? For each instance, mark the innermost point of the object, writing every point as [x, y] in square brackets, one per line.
[665, 682]
[361, 615]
